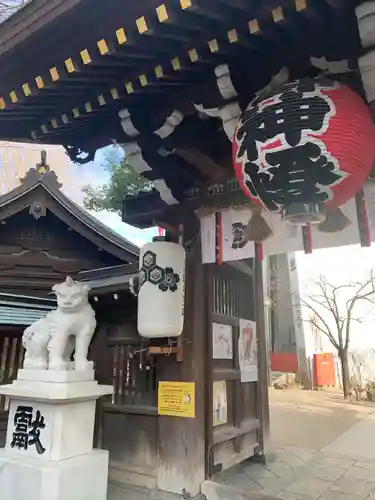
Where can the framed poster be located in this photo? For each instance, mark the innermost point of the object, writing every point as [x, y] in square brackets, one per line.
[222, 341]
[248, 351]
[219, 400]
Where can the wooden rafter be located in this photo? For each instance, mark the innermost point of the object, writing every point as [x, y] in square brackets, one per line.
[193, 18]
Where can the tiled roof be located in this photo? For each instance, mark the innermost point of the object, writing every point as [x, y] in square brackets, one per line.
[19, 315]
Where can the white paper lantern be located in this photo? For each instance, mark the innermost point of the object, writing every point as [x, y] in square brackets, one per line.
[161, 290]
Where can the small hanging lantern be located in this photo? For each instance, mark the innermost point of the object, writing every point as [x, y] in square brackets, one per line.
[161, 289]
[304, 149]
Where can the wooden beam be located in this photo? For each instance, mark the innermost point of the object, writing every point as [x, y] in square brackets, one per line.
[263, 400]
[204, 164]
[146, 210]
[181, 443]
[30, 19]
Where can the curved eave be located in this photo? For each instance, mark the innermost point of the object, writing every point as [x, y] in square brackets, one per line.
[122, 248]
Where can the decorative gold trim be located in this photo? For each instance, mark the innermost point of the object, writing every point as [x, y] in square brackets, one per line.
[54, 74]
[176, 64]
[121, 36]
[103, 47]
[162, 13]
[141, 25]
[39, 82]
[85, 56]
[143, 80]
[129, 87]
[26, 89]
[69, 64]
[13, 96]
[213, 45]
[277, 14]
[233, 36]
[159, 72]
[193, 55]
[254, 26]
[300, 5]
[115, 94]
[185, 4]
[163, 16]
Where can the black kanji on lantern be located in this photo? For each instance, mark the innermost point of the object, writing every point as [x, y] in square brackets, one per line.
[288, 114]
[298, 174]
[238, 235]
[304, 85]
[27, 430]
[282, 159]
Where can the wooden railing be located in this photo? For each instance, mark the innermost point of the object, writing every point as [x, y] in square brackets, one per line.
[11, 359]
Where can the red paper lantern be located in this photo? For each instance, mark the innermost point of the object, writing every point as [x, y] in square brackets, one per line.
[312, 142]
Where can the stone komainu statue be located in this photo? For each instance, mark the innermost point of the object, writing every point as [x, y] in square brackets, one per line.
[50, 341]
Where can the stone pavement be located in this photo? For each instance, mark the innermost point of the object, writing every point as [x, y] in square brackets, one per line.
[323, 450]
[343, 470]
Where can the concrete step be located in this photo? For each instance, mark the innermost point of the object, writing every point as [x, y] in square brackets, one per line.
[219, 491]
[121, 492]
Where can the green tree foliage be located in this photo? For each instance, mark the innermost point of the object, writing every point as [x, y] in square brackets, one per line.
[123, 181]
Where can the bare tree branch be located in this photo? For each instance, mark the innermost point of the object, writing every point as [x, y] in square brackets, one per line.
[326, 306]
[327, 330]
[333, 308]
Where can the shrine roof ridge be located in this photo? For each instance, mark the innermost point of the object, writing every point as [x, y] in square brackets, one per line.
[88, 220]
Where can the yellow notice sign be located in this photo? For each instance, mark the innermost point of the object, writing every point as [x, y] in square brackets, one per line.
[176, 399]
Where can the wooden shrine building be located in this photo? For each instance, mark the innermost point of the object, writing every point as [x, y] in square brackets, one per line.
[44, 237]
[168, 81]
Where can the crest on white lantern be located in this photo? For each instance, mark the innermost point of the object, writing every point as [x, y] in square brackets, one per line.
[161, 289]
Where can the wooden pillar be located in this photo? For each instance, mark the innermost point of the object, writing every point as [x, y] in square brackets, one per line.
[181, 441]
[263, 401]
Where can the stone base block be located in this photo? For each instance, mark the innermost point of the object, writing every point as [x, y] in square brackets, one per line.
[62, 377]
[68, 429]
[79, 478]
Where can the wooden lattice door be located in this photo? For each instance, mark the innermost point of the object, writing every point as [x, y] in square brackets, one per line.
[234, 436]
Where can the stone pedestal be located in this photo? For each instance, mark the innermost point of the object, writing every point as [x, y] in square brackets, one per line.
[49, 447]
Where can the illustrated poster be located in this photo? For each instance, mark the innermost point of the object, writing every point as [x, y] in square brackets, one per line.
[248, 351]
[222, 341]
[220, 408]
